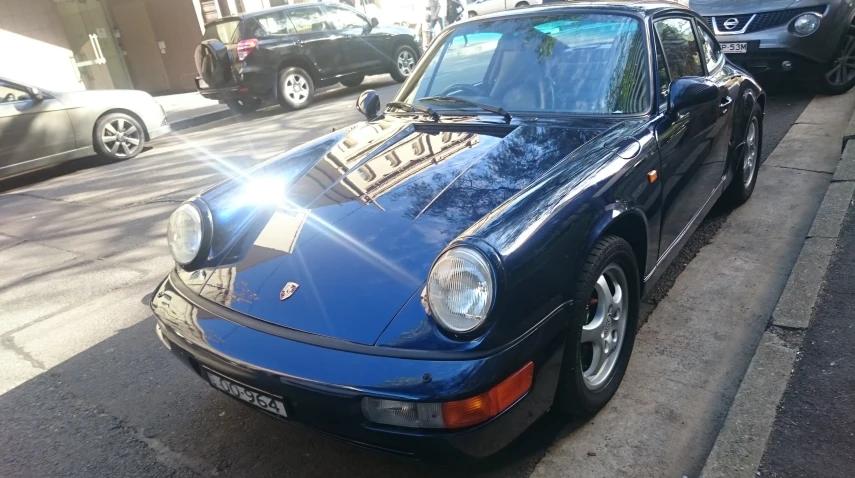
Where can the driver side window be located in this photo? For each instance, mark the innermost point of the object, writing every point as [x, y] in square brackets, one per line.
[343, 19]
[12, 93]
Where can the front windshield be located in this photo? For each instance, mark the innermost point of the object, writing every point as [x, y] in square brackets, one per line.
[579, 63]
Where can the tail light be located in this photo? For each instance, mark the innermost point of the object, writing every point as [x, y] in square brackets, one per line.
[245, 47]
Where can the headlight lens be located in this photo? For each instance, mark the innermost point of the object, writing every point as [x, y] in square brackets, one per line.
[460, 290]
[806, 24]
[184, 233]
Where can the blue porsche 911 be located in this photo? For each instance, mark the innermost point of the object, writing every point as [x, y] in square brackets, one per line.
[439, 276]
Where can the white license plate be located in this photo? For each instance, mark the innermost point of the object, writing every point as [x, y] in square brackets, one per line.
[249, 395]
[202, 83]
[734, 47]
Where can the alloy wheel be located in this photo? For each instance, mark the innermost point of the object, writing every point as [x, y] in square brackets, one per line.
[843, 68]
[603, 334]
[297, 88]
[406, 62]
[749, 162]
[121, 138]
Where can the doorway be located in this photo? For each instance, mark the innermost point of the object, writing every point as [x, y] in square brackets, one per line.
[92, 41]
[141, 47]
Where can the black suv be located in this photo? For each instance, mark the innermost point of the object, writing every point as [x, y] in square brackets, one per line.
[287, 52]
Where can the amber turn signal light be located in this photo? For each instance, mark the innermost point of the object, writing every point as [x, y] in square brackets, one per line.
[480, 408]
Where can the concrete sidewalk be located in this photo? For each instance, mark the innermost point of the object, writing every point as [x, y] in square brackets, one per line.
[187, 110]
[810, 333]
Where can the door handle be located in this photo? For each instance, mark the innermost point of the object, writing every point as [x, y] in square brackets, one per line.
[726, 102]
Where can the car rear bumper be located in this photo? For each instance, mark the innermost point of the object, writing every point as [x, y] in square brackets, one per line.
[252, 84]
[323, 387]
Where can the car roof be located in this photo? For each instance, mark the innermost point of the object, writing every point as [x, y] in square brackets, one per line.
[253, 14]
[646, 8]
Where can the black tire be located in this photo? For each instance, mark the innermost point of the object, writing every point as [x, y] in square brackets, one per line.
[213, 62]
[296, 88]
[244, 106]
[521, 4]
[352, 81]
[472, 14]
[118, 136]
[839, 85]
[404, 62]
[576, 396]
[745, 179]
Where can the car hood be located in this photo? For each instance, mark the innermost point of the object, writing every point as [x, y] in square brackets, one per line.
[736, 7]
[366, 213]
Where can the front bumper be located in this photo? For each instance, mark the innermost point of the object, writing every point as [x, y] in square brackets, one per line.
[323, 387]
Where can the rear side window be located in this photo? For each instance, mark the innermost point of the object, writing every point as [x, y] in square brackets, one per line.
[309, 19]
[343, 19]
[680, 47]
[276, 23]
[226, 32]
[712, 52]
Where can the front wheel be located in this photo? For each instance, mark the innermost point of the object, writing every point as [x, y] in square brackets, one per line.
[244, 106]
[745, 179]
[405, 62]
[603, 324]
[296, 88]
[840, 76]
[521, 4]
[118, 136]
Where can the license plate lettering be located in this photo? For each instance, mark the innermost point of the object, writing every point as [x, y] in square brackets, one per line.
[734, 47]
[248, 395]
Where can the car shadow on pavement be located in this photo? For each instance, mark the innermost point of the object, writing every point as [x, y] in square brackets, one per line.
[128, 402]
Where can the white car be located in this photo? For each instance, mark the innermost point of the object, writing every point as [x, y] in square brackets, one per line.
[483, 7]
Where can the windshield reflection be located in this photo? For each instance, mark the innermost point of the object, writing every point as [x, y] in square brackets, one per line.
[582, 63]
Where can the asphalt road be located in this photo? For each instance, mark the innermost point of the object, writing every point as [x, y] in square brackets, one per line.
[814, 431]
[86, 389]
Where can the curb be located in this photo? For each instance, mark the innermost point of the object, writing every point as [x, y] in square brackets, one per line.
[741, 443]
[199, 120]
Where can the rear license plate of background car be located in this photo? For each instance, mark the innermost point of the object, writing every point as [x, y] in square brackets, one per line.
[734, 47]
[249, 395]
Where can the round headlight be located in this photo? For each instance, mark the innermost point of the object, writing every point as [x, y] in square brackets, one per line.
[184, 233]
[807, 23]
[460, 290]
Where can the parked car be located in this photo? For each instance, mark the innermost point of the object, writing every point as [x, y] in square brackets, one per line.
[808, 39]
[41, 128]
[474, 8]
[439, 276]
[286, 53]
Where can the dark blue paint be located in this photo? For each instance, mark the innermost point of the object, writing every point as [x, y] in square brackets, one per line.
[363, 214]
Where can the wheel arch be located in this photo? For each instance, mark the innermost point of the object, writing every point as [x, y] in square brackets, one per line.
[630, 224]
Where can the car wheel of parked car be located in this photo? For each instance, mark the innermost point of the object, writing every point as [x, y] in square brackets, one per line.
[118, 136]
[473, 14]
[405, 62]
[352, 81]
[840, 77]
[521, 4]
[296, 88]
[747, 168]
[603, 324]
[244, 106]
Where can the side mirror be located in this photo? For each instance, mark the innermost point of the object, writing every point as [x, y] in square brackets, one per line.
[374, 22]
[36, 94]
[369, 104]
[689, 92]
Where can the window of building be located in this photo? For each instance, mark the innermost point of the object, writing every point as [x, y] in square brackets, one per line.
[680, 47]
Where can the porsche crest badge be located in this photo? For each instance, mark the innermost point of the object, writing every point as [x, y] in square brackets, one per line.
[288, 290]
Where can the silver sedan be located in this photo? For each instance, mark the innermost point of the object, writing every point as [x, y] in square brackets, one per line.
[40, 128]
[813, 39]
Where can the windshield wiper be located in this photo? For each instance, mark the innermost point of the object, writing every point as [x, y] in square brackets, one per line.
[414, 108]
[456, 99]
